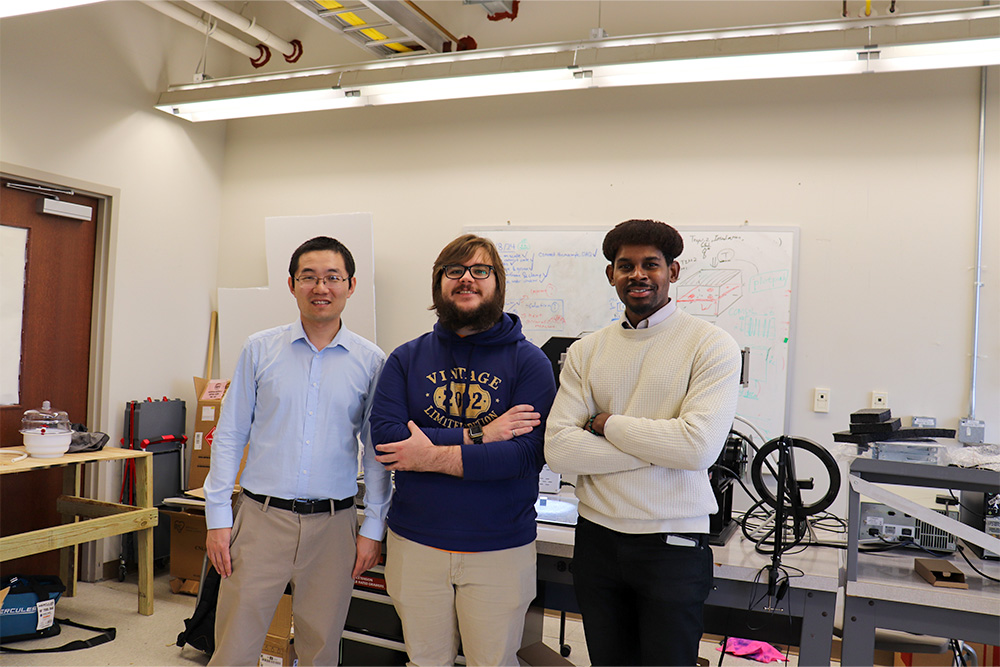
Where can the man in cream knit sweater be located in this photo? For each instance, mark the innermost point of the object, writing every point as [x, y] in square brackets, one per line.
[643, 410]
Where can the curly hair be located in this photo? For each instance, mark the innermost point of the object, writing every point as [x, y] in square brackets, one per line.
[644, 232]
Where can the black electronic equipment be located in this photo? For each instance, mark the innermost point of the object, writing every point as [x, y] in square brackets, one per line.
[732, 462]
[982, 512]
[555, 349]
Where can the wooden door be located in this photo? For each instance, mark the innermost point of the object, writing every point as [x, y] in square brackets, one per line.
[55, 353]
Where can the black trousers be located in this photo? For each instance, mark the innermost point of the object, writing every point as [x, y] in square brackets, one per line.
[641, 598]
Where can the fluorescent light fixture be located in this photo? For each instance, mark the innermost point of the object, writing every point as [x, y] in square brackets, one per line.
[189, 101]
[263, 105]
[19, 7]
[480, 85]
[730, 68]
[939, 55]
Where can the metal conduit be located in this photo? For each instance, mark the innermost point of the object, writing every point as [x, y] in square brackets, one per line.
[291, 50]
[978, 283]
[257, 54]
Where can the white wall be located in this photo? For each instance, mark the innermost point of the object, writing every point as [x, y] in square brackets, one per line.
[77, 95]
[879, 172]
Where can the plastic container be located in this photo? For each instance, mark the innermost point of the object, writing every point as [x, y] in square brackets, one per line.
[46, 432]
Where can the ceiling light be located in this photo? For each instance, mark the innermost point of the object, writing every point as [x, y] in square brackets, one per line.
[19, 7]
[320, 89]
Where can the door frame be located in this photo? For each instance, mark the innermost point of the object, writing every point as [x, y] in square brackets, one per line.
[99, 412]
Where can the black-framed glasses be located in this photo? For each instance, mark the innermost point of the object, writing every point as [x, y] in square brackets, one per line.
[329, 281]
[477, 271]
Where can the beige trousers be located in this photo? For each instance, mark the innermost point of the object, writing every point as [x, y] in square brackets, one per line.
[270, 548]
[442, 596]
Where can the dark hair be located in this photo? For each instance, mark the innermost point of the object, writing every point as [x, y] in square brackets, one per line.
[459, 250]
[322, 243]
[644, 232]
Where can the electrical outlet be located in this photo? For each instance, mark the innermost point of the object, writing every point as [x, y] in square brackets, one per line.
[821, 400]
[880, 399]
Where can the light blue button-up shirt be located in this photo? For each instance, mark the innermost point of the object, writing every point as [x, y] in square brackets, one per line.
[302, 411]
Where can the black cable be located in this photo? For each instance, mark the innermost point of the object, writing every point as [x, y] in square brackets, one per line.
[961, 551]
[951, 492]
[732, 473]
[956, 648]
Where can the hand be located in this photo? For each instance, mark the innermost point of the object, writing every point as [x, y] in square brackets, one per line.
[519, 420]
[217, 546]
[368, 554]
[599, 421]
[419, 454]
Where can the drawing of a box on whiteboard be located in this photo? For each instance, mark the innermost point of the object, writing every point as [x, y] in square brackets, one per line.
[709, 292]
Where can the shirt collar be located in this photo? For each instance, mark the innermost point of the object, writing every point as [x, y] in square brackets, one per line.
[343, 337]
[656, 318]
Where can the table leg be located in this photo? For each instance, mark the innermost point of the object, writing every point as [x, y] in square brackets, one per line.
[72, 475]
[144, 537]
[858, 647]
[816, 641]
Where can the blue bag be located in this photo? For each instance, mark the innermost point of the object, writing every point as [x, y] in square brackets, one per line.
[19, 618]
[28, 612]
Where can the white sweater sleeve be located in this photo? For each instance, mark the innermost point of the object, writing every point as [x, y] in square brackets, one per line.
[693, 439]
[569, 448]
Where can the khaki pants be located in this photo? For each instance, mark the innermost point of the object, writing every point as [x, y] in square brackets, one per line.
[271, 547]
[440, 596]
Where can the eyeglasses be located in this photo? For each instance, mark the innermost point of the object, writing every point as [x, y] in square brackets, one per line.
[477, 271]
[329, 281]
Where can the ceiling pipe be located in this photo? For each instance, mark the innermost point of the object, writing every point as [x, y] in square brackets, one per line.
[258, 55]
[291, 50]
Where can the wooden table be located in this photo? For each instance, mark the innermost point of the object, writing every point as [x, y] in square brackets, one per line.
[100, 519]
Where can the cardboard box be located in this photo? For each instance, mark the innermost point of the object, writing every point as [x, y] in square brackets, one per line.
[279, 647]
[281, 624]
[940, 572]
[988, 656]
[185, 586]
[278, 651]
[210, 394]
[187, 544]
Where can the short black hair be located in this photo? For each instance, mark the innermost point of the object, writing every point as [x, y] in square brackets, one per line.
[322, 243]
[644, 232]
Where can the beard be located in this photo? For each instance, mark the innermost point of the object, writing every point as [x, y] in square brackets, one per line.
[453, 318]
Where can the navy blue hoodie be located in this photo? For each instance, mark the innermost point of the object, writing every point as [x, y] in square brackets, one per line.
[430, 380]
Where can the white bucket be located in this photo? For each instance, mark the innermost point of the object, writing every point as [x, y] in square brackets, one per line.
[47, 443]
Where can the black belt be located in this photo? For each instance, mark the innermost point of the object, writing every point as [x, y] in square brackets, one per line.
[300, 506]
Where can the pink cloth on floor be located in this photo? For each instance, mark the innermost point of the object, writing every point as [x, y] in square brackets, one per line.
[747, 648]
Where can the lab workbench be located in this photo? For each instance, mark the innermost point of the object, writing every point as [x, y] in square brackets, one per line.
[739, 586]
[884, 591]
[102, 519]
[888, 593]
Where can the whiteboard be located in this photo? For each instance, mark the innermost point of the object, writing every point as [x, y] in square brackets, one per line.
[740, 278]
[247, 310]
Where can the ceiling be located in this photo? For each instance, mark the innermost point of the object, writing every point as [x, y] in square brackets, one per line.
[542, 21]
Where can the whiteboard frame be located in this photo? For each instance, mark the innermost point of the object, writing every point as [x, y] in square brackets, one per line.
[795, 231]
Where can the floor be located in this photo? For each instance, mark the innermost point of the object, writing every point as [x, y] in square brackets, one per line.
[151, 640]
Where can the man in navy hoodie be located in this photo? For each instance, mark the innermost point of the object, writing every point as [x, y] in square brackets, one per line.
[459, 415]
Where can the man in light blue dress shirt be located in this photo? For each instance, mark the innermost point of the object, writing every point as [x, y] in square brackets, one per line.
[299, 400]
